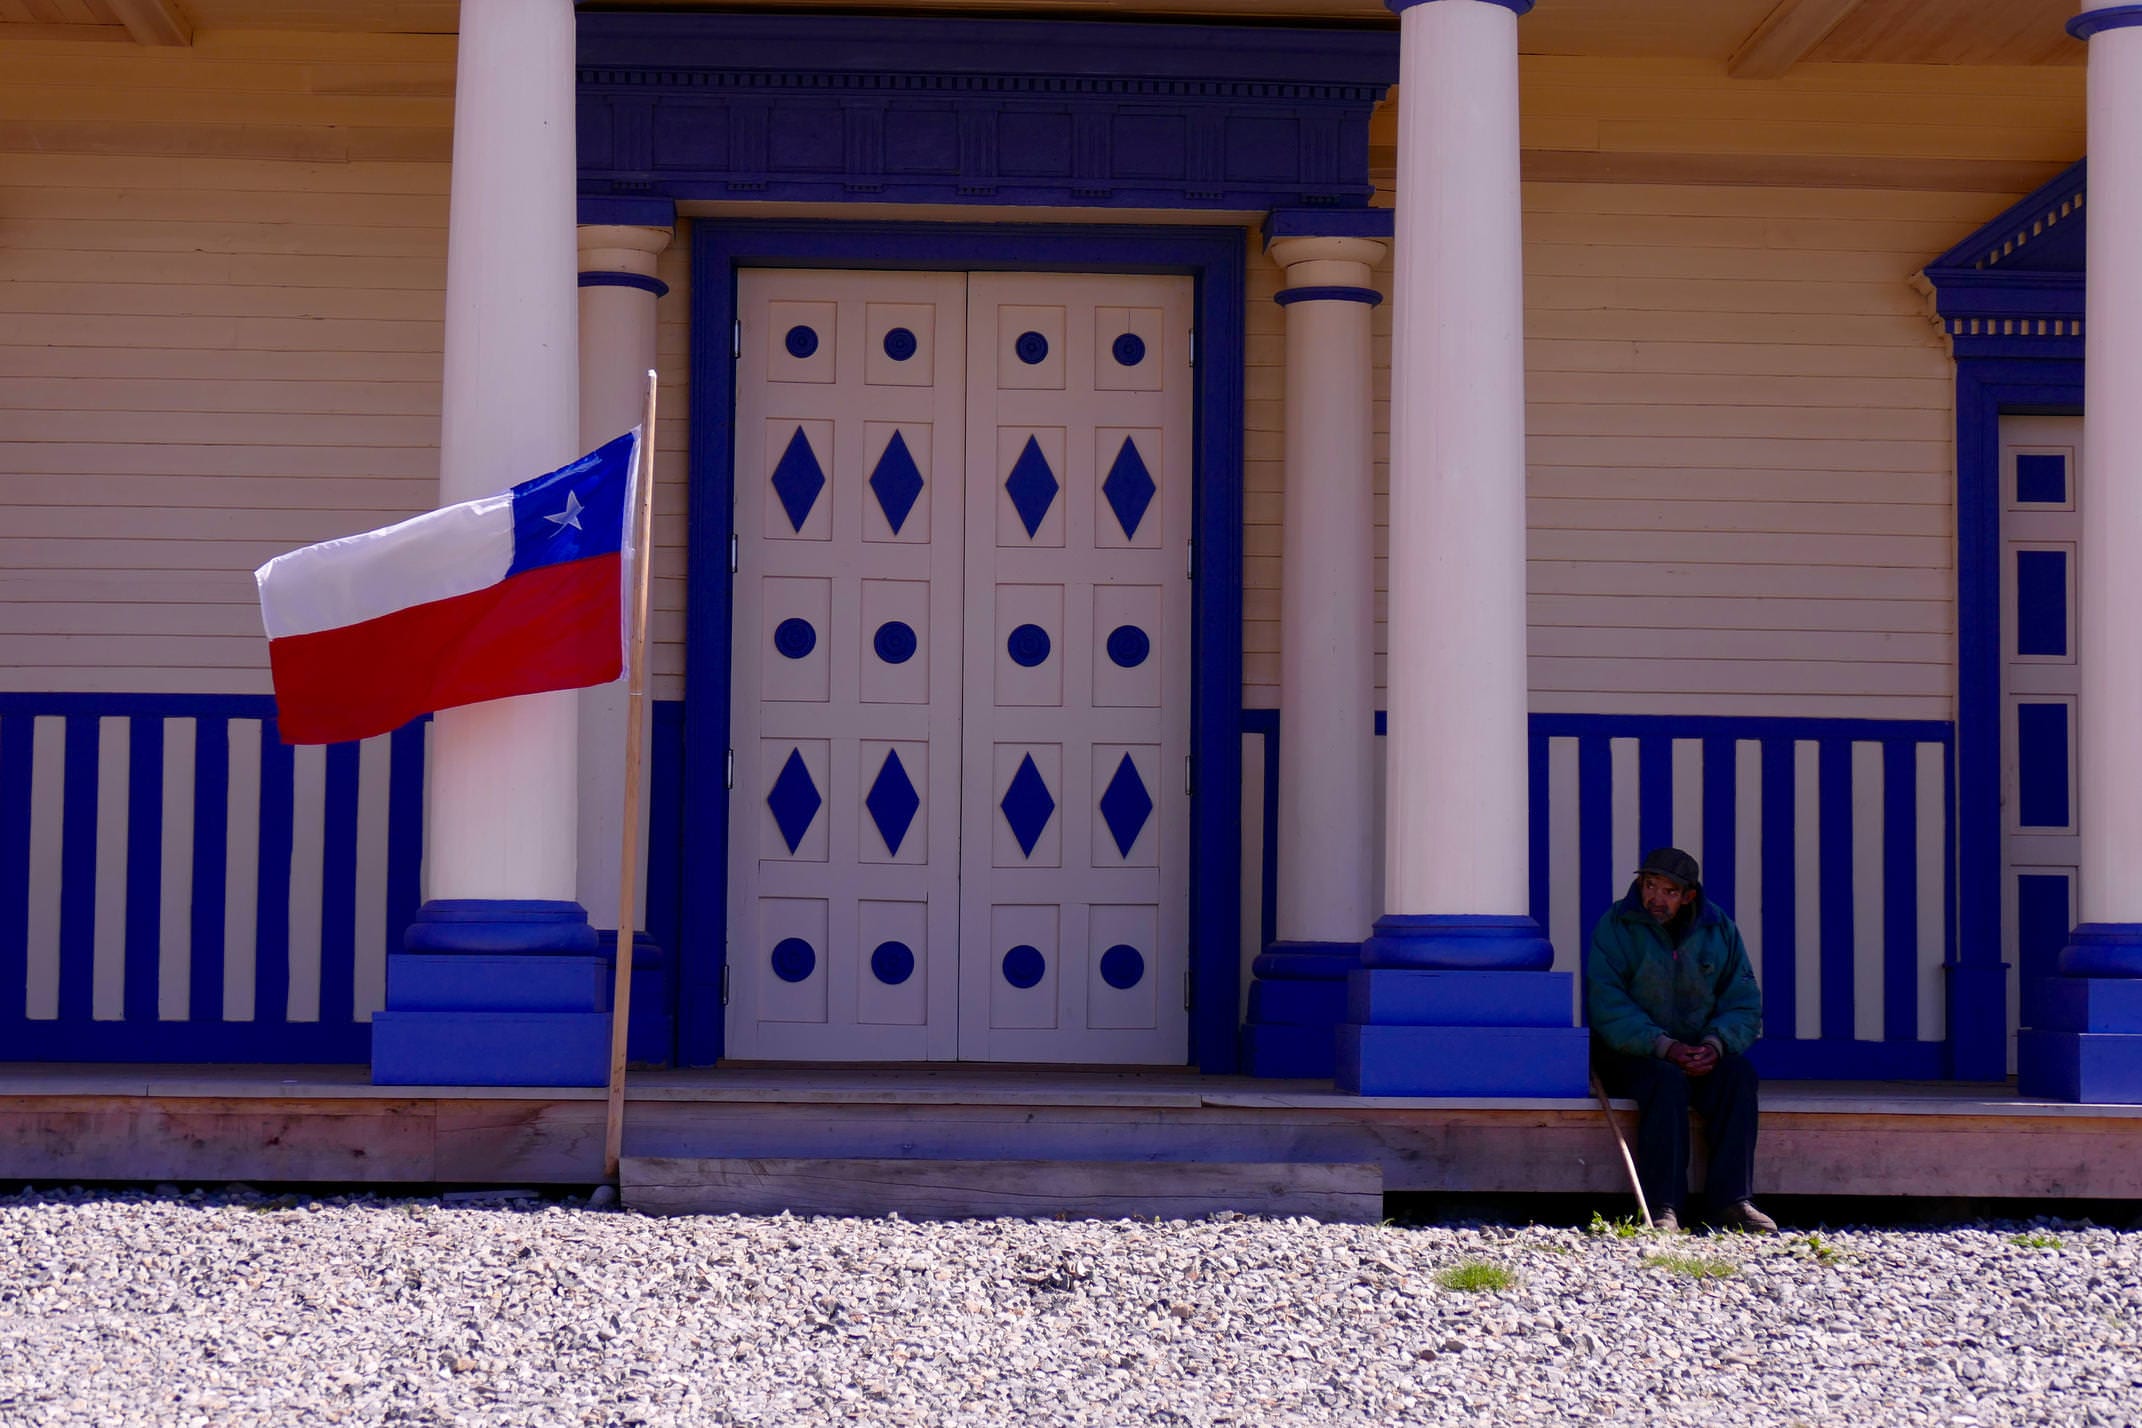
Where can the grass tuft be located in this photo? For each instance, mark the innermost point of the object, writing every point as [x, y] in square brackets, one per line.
[2035, 1239]
[1625, 1228]
[1476, 1276]
[1816, 1248]
[1695, 1266]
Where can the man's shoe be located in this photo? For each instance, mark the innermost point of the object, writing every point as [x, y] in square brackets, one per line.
[1667, 1221]
[1742, 1215]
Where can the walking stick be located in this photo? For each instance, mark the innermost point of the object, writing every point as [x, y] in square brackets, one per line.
[1628, 1161]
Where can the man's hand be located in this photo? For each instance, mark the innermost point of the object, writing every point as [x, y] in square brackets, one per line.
[1693, 1060]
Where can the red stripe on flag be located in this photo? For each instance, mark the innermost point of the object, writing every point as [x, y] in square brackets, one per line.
[553, 627]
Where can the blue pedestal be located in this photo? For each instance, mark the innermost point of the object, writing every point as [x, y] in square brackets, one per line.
[2085, 1039]
[1461, 1006]
[1295, 1005]
[495, 994]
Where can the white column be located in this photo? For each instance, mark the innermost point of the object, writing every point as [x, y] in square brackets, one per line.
[1456, 820]
[503, 791]
[617, 348]
[1327, 670]
[2110, 585]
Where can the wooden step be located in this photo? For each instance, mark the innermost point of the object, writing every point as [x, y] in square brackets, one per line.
[1028, 1189]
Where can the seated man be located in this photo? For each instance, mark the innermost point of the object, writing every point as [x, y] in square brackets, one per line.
[1673, 1005]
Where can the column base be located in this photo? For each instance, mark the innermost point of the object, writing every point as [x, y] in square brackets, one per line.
[1415, 1032]
[2085, 1039]
[1295, 1007]
[1453, 942]
[495, 993]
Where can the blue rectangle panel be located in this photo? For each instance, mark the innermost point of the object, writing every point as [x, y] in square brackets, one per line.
[2042, 479]
[1389, 996]
[2042, 602]
[2042, 765]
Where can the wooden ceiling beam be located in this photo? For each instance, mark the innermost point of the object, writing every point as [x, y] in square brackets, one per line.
[1785, 37]
[153, 22]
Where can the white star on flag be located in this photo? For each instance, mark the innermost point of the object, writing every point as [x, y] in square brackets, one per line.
[570, 516]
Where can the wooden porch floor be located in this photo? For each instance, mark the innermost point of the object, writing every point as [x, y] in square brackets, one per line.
[68, 1123]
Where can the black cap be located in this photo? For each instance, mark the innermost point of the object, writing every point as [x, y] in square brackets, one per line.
[1672, 863]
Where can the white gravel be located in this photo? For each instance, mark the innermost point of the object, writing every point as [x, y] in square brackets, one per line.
[122, 1308]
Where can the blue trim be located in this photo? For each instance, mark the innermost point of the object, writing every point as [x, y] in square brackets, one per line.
[1376, 223]
[17, 765]
[625, 280]
[1834, 1060]
[1721, 821]
[405, 829]
[1654, 793]
[1596, 890]
[501, 925]
[163, 706]
[338, 886]
[2112, 17]
[799, 108]
[1215, 257]
[1287, 297]
[271, 930]
[1987, 384]
[189, 1042]
[211, 854]
[78, 869]
[1539, 795]
[1518, 7]
[625, 211]
[1728, 726]
[1900, 892]
[1780, 916]
[2043, 916]
[1833, 782]
[1266, 723]
[144, 867]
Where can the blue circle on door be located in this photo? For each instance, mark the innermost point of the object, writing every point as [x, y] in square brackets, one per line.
[1122, 966]
[1023, 966]
[900, 344]
[801, 341]
[1033, 348]
[892, 963]
[894, 642]
[1028, 646]
[1128, 646]
[1129, 349]
[795, 638]
[794, 959]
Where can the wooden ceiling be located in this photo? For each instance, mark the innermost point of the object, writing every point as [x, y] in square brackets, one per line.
[1755, 39]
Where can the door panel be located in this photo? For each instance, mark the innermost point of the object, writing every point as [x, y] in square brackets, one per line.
[1074, 922]
[960, 815]
[844, 864]
[2042, 492]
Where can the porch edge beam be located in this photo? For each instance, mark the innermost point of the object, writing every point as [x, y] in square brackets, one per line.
[1786, 36]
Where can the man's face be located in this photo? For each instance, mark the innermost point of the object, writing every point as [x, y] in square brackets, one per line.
[1663, 897]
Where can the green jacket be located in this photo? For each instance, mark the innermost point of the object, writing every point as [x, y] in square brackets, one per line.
[1642, 987]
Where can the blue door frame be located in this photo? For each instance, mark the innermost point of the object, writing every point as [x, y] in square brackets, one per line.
[1216, 258]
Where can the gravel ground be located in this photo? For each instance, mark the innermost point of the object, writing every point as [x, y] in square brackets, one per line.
[122, 1308]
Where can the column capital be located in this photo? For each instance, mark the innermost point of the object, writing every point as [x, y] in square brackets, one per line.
[1515, 7]
[2104, 17]
[617, 255]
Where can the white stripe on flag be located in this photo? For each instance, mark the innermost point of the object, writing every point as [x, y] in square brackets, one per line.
[453, 551]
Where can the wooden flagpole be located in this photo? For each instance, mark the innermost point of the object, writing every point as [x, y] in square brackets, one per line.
[628, 878]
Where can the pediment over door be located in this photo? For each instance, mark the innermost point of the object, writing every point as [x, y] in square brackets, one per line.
[2015, 286]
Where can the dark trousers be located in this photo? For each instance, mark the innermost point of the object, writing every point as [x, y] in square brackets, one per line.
[1665, 1094]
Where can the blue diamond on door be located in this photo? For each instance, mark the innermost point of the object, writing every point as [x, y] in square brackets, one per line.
[1125, 806]
[1028, 805]
[1129, 488]
[1032, 487]
[897, 482]
[892, 801]
[797, 479]
[794, 800]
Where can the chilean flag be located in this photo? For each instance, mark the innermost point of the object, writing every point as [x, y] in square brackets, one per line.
[515, 593]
